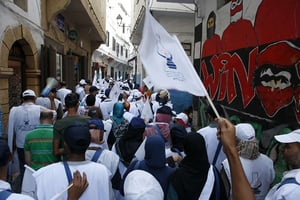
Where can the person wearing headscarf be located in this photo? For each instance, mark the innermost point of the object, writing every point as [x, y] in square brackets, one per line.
[176, 153]
[258, 167]
[131, 140]
[117, 118]
[195, 177]
[161, 126]
[154, 162]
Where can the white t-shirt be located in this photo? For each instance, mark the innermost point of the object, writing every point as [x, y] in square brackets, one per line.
[80, 92]
[289, 191]
[23, 119]
[107, 108]
[108, 158]
[62, 93]
[259, 172]
[209, 134]
[14, 196]
[52, 180]
[45, 101]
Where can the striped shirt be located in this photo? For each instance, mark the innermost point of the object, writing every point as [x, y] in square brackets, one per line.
[39, 142]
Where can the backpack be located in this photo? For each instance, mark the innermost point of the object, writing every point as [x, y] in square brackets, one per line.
[5, 194]
[120, 129]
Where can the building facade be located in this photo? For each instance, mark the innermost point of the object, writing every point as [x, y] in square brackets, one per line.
[112, 59]
[43, 38]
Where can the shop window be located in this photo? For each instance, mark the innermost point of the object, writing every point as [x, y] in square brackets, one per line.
[187, 48]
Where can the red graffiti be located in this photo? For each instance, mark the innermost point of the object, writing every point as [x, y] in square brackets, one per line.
[226, 68]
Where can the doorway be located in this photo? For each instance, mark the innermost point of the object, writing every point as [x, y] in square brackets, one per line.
[16, 61]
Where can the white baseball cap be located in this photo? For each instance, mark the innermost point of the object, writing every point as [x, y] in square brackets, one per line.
[291, 137]
[82, 82]
[183, 117]
[28, 93]
[245, 131]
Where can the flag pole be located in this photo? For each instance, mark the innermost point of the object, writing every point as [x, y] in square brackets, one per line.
[212, 106]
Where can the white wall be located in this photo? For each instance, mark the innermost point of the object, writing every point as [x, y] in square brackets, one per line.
[11, 15]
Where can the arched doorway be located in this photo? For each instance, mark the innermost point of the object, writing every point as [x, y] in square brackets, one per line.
[19, 57]
[16, 61]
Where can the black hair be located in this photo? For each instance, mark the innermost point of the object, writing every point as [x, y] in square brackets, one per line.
[90, 100]
[219, 109]
[71, 100]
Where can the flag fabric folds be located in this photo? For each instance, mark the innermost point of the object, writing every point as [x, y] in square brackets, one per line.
[165, 61]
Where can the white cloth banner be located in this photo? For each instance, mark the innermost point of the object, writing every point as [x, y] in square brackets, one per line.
[165, 61]
[147, 112]
[148, 82]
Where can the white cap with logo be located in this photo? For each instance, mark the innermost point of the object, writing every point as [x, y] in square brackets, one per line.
[28, 93]
[291, 137]
[245, 131]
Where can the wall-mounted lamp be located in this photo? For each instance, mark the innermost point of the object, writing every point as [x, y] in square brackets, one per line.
[119, 21]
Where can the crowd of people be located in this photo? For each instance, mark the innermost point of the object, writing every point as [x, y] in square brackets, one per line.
[111, 140]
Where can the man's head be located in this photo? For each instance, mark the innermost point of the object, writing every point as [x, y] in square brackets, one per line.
[72, 100]
[90, 100]
[182, 119]
[211, 114]
[247, 144]
[63, 84]
[82, 82]
[96, 127]
[29, 95]
[291, 148]
[93, 90]
[95, 112]
[77, 137]
[164, 114]
[46, 117]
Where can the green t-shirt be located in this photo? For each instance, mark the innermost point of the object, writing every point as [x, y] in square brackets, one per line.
[39, 142]
[65, 122]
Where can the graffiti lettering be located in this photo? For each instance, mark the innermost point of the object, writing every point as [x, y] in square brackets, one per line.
[225, 68]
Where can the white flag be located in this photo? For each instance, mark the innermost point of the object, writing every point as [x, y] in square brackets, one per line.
[147, 113]
[165, 61]
[115, 92]
[148, 82]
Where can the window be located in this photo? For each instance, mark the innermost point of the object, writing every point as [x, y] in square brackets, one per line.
[118, 49]
[58, 69]
[107, 38]
[126, 53]
[187, 48]
[114, 44]
[22, 4]
[60, 22]
[122, 49]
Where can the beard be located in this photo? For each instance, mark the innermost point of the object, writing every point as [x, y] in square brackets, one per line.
[210, 32]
